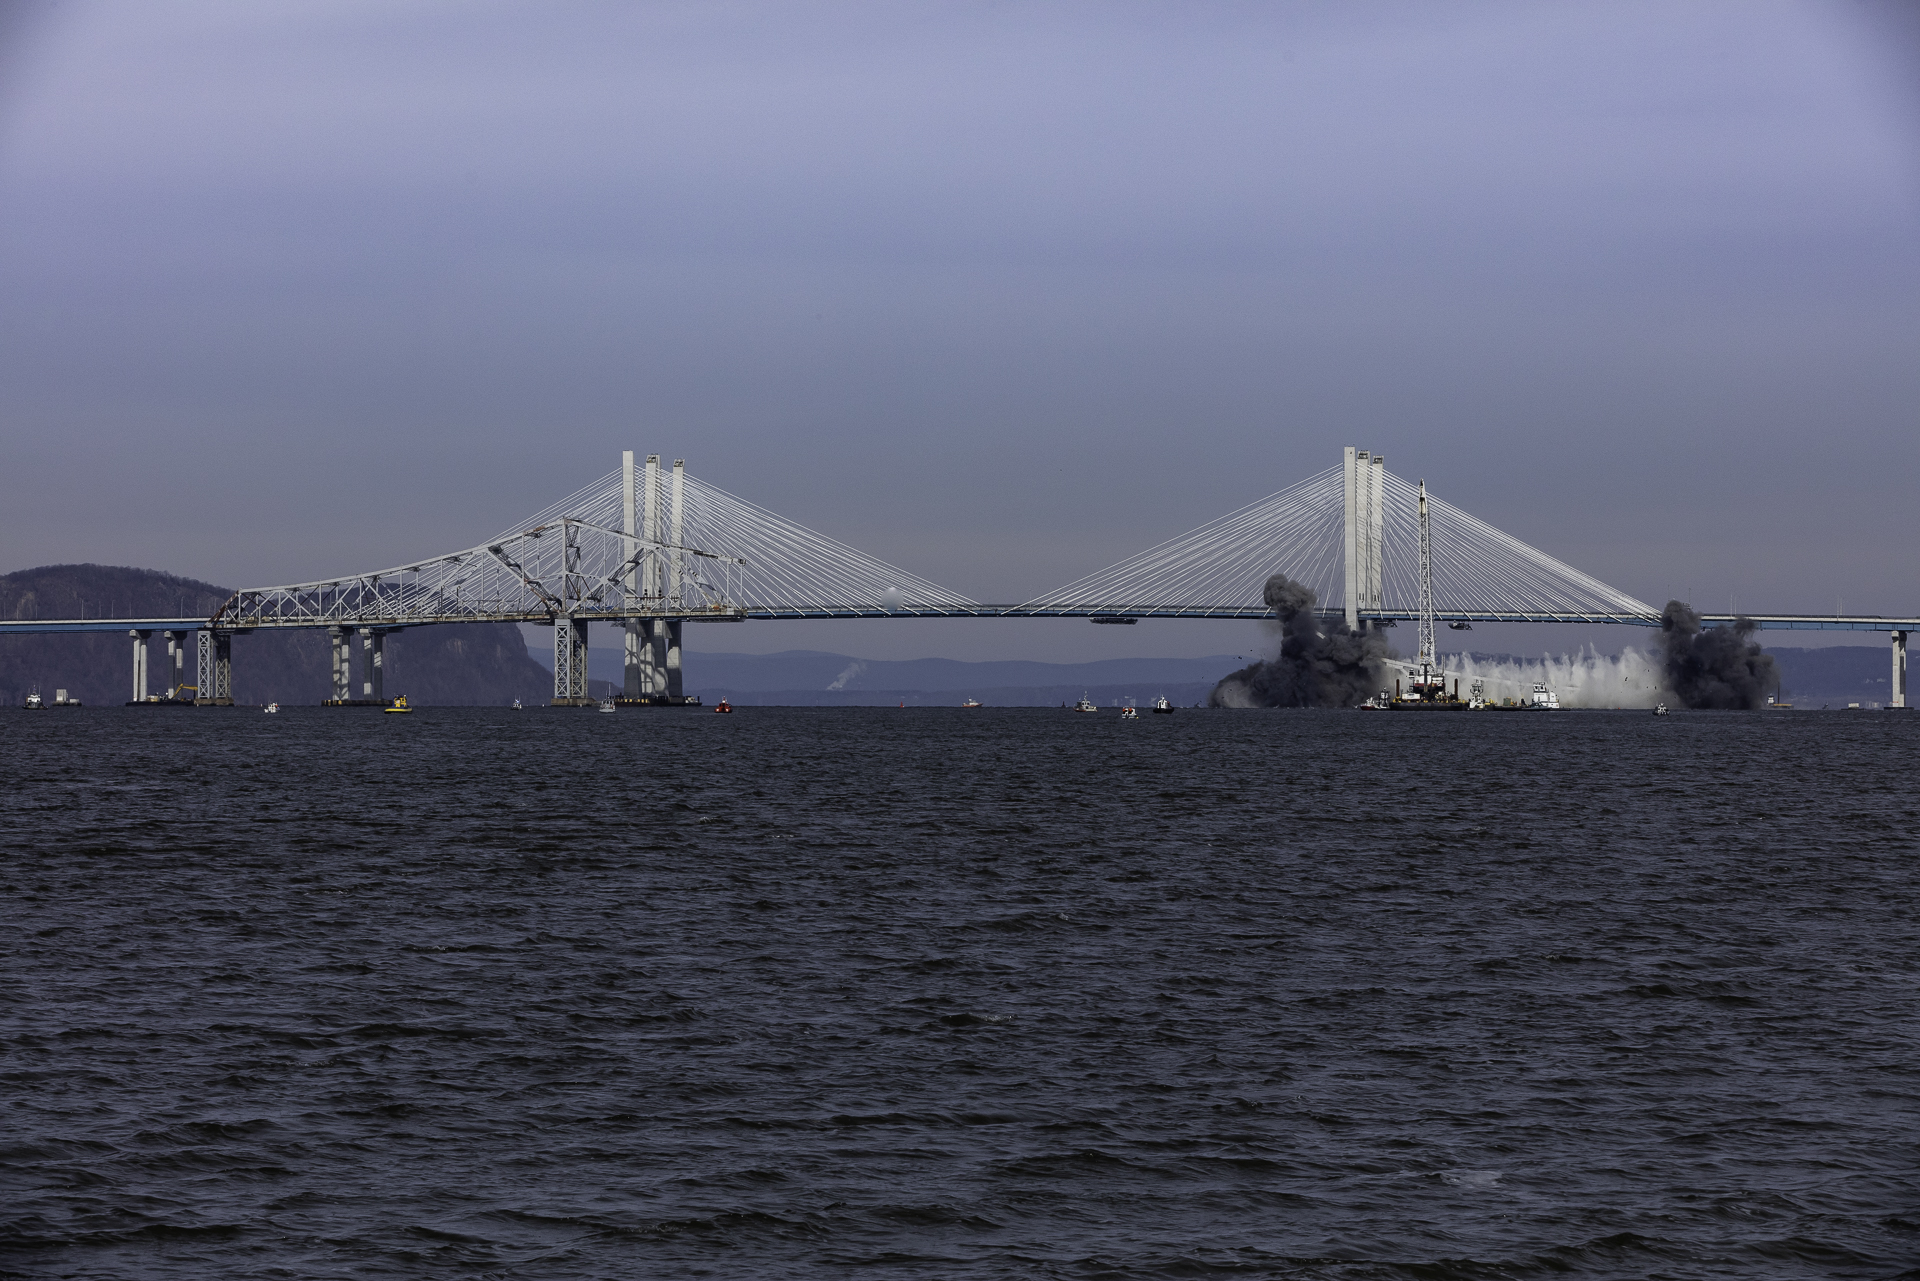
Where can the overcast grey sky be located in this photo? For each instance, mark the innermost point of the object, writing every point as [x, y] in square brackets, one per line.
[998, 292]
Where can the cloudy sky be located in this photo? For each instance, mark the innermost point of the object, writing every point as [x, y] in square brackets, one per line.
[998, 292]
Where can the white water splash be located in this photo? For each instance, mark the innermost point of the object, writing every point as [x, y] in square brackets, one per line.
[1587, 679]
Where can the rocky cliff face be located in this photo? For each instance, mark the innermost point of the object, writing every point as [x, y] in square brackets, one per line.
[455, 664]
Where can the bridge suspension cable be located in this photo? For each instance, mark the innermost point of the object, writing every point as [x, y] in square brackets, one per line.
[575, 558]
[1219, 569]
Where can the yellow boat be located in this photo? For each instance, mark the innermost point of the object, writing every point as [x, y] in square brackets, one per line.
[398, 705]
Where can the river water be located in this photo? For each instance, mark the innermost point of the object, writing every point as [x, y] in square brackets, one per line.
[943, 993]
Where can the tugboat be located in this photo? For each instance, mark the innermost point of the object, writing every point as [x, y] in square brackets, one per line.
[972, 702]
[33, 700]
[723, 706]
[398, 705]
[1544, 699]
[1161, 707]
[1085, 704]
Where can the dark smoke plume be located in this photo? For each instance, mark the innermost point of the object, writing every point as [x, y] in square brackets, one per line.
[1718, 667]
[1333, 667]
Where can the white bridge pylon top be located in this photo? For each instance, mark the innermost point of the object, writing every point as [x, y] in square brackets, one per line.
[1220, 569]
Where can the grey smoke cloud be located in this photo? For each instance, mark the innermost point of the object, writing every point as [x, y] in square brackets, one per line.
[1721, 668]
[1320, 664]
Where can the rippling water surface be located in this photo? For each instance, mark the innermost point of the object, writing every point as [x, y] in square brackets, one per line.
[944, 993]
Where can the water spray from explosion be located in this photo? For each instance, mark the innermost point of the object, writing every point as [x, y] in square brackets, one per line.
[1319, 665]
[1718, 667]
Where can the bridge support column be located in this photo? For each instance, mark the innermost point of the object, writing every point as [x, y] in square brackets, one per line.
[657, 656]
[674, 690]
[342, 665]
[1350, 536]
[176, 663]
[141, 642]
[223, 669]
[1376, 522]
[638, 670]
[1897, 688]
[373, 664]
[570, 663]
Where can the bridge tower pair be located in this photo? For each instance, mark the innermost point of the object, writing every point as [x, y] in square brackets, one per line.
[655, 582]
[1365, 483]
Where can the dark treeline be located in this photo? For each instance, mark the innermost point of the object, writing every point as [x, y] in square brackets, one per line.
[465, 664]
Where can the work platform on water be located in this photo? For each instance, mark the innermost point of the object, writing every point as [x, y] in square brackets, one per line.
[647, 549]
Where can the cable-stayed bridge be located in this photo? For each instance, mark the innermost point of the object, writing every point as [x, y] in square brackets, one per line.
[647, 548]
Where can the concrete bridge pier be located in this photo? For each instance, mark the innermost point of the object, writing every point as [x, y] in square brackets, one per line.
[641, 674]
[373, 665]
[342, 666]
[214, 669]
[673, 626]
[1897, 688]
[570, 663]
[141, 643]
[176, 663]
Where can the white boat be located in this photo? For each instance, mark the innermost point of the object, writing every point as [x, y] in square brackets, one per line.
[1129, 713]
[972, 702]
[1085, 705]
[1161, 707]
[606, 704]
[271, 708]
[1544, 699]
[33, 699]
[517, 707]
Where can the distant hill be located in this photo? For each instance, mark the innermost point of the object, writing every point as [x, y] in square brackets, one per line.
[466, 664]
[1841, 674]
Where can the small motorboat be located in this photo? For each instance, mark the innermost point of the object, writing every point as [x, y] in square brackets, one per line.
[1161, 707]
[1085, 705]
[723, 706]
[1129, 713]
[516, 706]
[972, 702]
[606, 704]
[397, 705]
[34, 703]
[1661, 710]
[271, 708]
